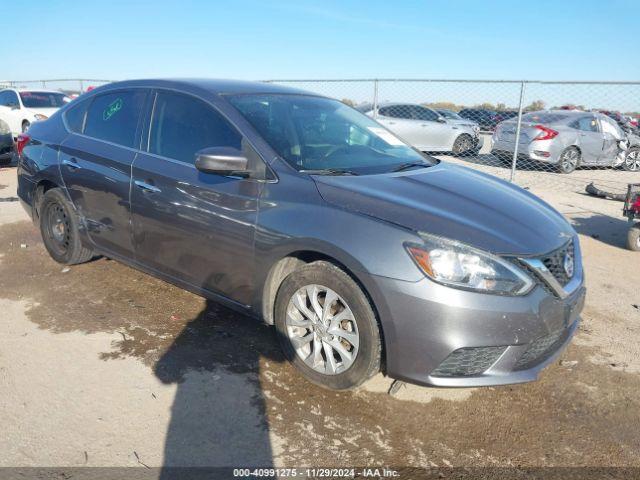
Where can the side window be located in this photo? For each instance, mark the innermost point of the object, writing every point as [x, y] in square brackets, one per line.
[75, 116]
[114, 116]
[3, 99]
[11, 99]
[421, 113]
[586, 124]
[183, 125]
[386, 111]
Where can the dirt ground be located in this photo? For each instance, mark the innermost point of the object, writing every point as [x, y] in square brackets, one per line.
[101, 365]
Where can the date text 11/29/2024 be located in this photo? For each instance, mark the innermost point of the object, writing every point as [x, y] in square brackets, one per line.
[367, 472]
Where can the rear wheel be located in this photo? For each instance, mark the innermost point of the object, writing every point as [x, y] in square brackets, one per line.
[632, 160]
[463, 145]
[569, 160]
[633, 238]
[327, 327]
[59, 229]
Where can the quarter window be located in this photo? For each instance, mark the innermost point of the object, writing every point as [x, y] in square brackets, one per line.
[183, 125]
[586, 124]
[75, 116]
[114, 117]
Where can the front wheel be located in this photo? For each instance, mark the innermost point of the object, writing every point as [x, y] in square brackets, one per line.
[569, 160]
[632, 160]
[59, 229]
[327, 328]
[633, 238]
[463, 145]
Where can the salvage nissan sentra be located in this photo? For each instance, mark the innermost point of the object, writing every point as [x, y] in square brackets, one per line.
[364, 253]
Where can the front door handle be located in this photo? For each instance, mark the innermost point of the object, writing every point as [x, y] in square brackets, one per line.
[71, 163]
[147, 187]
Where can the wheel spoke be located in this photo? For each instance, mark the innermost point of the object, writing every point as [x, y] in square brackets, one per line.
[339, 317]
[329, 300]
[296, 322]
[344, 354]
[312, 294]
[300, 342]
[331, 366]
[300, 302]
[350, 337]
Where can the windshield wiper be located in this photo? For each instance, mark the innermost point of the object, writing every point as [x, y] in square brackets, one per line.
[329, 171]
[405, 166]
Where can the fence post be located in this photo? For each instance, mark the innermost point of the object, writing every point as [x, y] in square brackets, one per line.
[375, 98]
[517, 145]
[81, 87]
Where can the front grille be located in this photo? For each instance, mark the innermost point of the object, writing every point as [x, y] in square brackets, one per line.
[554, 262]
[468, 361]
[542, 348]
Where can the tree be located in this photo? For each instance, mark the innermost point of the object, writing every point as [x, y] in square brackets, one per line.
[535, 106]
[349, 102]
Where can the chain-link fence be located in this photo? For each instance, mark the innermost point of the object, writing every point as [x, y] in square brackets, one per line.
[566, 134]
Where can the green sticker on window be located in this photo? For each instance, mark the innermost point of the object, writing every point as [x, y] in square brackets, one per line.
[113, 108]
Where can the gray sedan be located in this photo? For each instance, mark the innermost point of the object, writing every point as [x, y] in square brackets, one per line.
[567, 140]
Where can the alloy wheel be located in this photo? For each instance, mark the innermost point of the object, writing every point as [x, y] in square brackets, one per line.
[632, 162]
[322, 329]
[569, 160]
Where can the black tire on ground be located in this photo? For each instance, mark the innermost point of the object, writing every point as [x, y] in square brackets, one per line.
[569, 160]
[632, 160]
[463, 145]
[368, 357]
[59, 229]
[633, 238]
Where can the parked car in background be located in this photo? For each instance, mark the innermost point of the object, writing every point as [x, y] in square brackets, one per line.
[6, 143]
[567, 139]
[426, 129]
[19, 108]
[487, 119]
[301, 211]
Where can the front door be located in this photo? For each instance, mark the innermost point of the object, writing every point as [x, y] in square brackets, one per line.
[95, 165]
[194, 226]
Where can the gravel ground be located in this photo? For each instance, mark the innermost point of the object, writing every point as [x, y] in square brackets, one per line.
[101, 365]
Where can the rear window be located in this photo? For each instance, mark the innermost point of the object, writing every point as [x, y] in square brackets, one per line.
[114, 117]
[44, 99]
[543, 117]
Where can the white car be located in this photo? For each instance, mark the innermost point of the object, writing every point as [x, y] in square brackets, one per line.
[426, 129]
[19, 108]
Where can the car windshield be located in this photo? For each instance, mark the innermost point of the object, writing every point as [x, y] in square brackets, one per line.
[449, 114]
[320, 134]
[43, 99]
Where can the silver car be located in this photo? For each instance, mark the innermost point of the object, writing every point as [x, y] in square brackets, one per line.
[426, 129]
[565, 139]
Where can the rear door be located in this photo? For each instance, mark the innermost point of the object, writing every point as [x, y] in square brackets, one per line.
[399, 119]
[95, 164]
[591, 139]
[194, 226]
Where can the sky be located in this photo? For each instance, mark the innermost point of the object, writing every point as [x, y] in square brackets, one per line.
[324, 39]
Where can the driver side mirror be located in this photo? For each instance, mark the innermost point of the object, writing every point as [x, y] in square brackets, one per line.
[14, 106]
[222, 161]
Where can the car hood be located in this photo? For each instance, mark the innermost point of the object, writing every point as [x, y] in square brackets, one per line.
[43, 111]
[456, 203]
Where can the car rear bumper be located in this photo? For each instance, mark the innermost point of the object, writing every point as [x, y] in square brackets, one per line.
[538, 151]
[439, 336]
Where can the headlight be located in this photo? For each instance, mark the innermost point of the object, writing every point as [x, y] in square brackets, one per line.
[4, 128]
[39, 116]
[461, 266]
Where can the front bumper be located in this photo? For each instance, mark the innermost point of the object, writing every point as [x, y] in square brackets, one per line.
[426, 325]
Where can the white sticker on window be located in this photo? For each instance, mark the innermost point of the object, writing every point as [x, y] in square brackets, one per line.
[385, 135]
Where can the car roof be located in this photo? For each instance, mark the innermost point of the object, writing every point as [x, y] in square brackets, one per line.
[214, 86]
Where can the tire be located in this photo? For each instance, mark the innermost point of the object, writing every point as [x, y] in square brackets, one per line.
[569, 160]
[633, 238]
[353, 363]
[632, 160]
[463, 145]
[25, 126]
[59, 229]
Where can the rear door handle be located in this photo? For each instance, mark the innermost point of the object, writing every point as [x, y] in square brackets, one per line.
[71, 163]
[147, 187]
